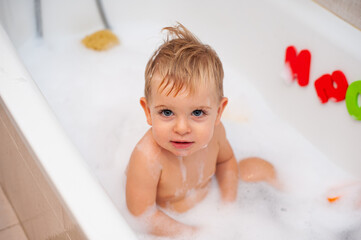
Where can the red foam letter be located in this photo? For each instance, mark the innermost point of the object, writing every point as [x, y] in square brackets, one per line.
[299, 65]
[325, 87]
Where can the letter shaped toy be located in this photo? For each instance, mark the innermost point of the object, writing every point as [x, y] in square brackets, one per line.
[299, 65]
[326, 89]
[352, 95]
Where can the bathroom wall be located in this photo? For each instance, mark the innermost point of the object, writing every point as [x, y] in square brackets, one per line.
[348, 10]
[17, 17]
[40, 210]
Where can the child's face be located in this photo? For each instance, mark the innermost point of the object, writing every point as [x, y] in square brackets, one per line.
[183, 124]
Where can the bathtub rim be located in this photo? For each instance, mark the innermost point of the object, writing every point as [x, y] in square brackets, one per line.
[97, 216]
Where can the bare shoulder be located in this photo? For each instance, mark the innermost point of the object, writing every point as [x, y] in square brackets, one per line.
[146, 151]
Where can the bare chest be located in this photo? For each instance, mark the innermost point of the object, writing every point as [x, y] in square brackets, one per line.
[182, 176]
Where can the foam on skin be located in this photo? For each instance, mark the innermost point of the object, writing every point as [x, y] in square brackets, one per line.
[183, 169]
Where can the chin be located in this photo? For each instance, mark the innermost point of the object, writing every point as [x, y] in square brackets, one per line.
[182, 154]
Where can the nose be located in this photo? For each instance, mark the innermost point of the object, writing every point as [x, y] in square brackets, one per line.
[181, 126]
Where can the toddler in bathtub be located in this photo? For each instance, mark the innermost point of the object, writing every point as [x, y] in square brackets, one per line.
[172, 165]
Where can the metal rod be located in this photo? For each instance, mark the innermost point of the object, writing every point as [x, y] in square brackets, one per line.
[38, 18]
[102, 14]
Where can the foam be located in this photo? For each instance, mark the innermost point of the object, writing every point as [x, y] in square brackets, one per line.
[95, 97]
[183, 169]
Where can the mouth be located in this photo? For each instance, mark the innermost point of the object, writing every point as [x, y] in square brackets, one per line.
[181, 144]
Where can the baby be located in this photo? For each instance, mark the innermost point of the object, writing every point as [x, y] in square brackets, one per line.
[172, 165]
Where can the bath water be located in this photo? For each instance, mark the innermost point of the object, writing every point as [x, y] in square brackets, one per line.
[95, 96]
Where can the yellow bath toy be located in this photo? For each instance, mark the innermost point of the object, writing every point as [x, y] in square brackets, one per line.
[101, 40]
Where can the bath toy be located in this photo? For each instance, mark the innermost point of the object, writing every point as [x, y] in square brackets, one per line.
[348, 192]
[352, 95]
[326, 89]
[101, 40]
[334, 87]
[299, 65]
[333, 199]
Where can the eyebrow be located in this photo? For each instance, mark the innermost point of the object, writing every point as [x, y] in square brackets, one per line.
[198, 107]
[161, 106]
[204, 107]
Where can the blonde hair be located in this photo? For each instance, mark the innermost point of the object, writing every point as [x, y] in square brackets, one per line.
[183, 61]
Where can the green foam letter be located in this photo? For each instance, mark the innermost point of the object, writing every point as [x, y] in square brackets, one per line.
[352, 94]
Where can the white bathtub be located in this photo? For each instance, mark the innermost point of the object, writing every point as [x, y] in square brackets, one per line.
[249, 35]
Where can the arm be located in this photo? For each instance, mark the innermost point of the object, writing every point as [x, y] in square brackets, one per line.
[141, 189]
[227, 168]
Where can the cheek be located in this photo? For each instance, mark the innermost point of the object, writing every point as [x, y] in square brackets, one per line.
[160, 130]
[205, 131]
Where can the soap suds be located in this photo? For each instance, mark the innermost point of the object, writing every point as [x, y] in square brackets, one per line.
[183, 169]
[201, 172]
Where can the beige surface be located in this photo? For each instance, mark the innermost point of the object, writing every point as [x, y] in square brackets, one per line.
[13, 233]
[38, 207]
[10, 228]
[348, 10]
[7, 215]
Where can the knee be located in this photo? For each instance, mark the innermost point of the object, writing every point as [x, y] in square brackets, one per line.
[256, 169]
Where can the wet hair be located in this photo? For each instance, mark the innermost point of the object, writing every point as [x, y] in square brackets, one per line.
[182, 61]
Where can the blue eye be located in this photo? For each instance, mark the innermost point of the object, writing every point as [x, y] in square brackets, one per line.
[166, 112]
[197, 113]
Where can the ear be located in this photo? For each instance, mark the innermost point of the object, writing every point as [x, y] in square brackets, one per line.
[222, 106]
[144, 104]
